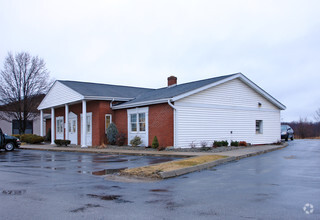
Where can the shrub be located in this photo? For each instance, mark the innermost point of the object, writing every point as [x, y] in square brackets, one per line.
[112, 132]
[155, 143]
[205, 148]
[30, 138]
[203, 144]
[243, 143]
[220, 143]
[192, 145]
[48, 135]
[61, 142]
[36, 139]
[225, 143]
[121, 139]
[235, 143]
[136, 141]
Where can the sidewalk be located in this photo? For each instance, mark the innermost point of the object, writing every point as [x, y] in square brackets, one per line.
[238, 153]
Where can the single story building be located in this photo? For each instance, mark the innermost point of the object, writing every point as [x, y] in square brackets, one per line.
[12, 127]
[229, 107]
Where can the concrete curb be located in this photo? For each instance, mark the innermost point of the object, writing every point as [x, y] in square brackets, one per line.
[179, 172]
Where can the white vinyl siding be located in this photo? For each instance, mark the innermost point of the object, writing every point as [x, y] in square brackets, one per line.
[231, 93]
[226, 112]
[59, 95]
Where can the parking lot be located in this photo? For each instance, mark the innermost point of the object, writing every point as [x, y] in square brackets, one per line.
[65, 185]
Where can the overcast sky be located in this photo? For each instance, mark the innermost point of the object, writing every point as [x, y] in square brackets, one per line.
[276, 44]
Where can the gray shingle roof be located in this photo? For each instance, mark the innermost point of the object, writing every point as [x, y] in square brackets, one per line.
[104, 90]
[172, 91]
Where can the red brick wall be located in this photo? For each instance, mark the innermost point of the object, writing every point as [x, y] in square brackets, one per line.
[98, 109]
[160, 121]
[161, 124]
[121, 120]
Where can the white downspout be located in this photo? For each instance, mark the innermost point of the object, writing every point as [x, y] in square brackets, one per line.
[111, 103]
[174, 122]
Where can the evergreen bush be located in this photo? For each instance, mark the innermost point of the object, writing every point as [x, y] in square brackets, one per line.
[235, 143]
[112, 132]
[136, 141]
[155, 143]
[61, 142]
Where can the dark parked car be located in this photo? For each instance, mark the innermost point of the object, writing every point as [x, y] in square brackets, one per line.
[9, 143]
[287, 132]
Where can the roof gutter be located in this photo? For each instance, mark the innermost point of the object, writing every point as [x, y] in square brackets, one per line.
[174, 122]
[137, 104]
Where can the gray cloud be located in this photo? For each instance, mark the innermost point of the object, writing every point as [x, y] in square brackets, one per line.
[140, 43]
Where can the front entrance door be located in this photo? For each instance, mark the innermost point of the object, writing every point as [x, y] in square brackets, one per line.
[73, 128]
[138, 124]
[88, 128]
[59, 127]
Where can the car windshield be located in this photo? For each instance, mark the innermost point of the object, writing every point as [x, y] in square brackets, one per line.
[283, 127]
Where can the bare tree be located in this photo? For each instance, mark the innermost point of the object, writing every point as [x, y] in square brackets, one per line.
[317, 115]
[23, 80]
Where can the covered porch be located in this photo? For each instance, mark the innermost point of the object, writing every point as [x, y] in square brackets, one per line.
[66, 125]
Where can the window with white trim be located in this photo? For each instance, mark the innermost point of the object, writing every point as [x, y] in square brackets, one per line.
[259, 126]
[138, 122]
[59, 125]
[142, 121]
[108, 121]
[133, 122]
[89, 123]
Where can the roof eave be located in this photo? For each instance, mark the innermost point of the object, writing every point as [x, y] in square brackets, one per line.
[107, 98]
[137, 104]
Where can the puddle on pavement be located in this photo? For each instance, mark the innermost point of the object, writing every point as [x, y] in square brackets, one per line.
[81, 209]
[115, 198]
[110, 161]
[107, 171]
[160, 160]
[106, 187]
[83, 171]
[159, 190]
[290, 157]
[55, 168]
[14, 192]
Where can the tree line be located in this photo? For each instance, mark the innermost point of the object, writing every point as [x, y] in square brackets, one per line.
[305, 128]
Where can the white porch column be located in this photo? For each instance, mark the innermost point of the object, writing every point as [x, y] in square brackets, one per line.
[84, 124]
[67, 122]
[41, 123]
[52, 126]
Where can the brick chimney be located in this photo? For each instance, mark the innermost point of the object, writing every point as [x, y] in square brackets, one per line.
[172, 80]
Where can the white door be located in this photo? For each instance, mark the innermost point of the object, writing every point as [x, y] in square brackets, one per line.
[138, 124]
[73, 128]
[59, 127]
[88, 128]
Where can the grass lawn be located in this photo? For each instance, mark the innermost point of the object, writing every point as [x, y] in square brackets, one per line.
[154, 170]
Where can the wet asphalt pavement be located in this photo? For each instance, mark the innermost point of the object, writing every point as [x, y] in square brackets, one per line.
[61, 185]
